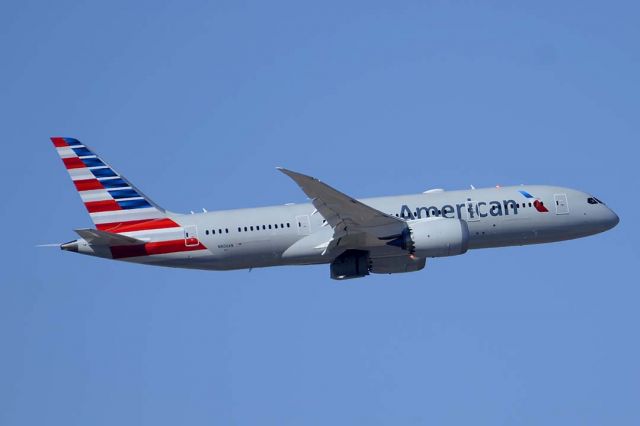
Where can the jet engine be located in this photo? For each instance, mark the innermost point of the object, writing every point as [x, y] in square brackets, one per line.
[434, 237]
[350, 264]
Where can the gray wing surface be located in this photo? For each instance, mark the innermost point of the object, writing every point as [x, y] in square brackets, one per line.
[354, 223]
[104, 238]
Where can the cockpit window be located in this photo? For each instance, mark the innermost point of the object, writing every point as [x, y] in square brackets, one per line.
[594, 200]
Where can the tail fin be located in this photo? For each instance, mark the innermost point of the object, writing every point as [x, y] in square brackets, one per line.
[113, 203]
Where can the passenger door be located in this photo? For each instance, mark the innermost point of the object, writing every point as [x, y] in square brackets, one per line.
[562, 205]
[302, 222]
[191, 235]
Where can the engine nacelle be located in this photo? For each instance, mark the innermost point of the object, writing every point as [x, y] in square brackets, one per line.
[396, 264]
[350, 264]
[435, 237]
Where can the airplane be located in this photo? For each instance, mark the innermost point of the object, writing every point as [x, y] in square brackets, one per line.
[356, 237]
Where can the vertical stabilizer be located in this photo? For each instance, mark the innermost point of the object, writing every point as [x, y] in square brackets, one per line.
[113, 203]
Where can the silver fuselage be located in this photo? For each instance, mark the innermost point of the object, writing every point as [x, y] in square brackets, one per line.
[293, 234]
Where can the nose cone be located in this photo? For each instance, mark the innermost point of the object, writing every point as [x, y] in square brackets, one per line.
[612, 219]
[607, 219]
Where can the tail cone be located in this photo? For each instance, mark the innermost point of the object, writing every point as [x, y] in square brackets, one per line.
[70, 246]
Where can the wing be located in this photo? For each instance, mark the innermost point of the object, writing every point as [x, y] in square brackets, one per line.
[354, 223]
[95, 237]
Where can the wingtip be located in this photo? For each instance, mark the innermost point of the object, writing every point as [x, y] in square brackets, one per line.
[295, 175]
[284, 170]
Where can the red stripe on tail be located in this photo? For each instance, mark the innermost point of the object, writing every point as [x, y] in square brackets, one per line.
[87, 184]
[73, 163]
[59, 142]
[102, 206]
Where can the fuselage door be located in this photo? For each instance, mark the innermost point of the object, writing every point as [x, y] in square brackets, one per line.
[302, 222]
[191, 235]
[562, 205]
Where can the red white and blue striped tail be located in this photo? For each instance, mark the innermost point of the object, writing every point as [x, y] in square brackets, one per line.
[113, 203]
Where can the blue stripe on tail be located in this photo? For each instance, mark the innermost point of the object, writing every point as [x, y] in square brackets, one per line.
[123, 193]
[134, 204]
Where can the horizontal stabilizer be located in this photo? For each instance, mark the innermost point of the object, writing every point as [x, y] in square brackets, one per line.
[95, 237]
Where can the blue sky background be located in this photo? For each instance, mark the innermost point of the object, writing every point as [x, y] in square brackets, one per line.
[197, 102]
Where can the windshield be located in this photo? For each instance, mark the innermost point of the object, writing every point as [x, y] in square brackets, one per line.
[594, 200]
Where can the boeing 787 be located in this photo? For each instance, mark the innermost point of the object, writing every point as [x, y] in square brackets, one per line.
[356, 237]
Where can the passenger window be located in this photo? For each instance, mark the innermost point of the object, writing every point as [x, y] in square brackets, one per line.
[226, 230]
[219, 231]
[239, 229]
[269, 226]
[213, 231]
[206, 232]
[263, 227]
[245, 229]
[288, 225]
[276, 226]
[282, 225]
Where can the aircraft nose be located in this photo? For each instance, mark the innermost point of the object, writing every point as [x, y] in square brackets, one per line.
[611, 220]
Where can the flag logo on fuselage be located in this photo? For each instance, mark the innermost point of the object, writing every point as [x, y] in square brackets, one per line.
[536, 203]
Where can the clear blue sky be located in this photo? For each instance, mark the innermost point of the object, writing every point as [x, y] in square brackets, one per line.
[197, 102]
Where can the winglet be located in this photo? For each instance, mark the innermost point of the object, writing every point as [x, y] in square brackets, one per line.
[291, 172]
[287, 172]
[300, 178]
